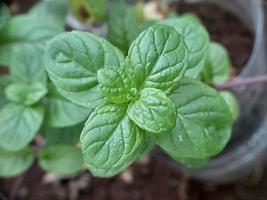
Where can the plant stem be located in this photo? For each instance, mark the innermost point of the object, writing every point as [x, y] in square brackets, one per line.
[237, 82]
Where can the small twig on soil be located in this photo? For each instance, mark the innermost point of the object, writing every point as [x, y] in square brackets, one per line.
[17, 186]
[183, 188]
[237, 82]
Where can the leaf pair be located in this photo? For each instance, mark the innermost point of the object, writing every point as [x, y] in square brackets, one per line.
[140, 99]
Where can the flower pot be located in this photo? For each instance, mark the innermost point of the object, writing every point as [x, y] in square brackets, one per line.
[248, 146]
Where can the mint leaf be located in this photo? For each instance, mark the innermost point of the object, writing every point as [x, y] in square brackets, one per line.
[217, 69]
[157, 58]
[122, 26]
[15, 163]
[4, 82]
[61, 112]
[72, 61]
[110, 141]
[19, 124]
[139, 11]
[52, 11]
[197, 40]
[4, 14]
[61, 159]
[97, 9]
[192, 17]
[154, 111]
[203, 125]
[21, 30]
[27, 64]
[27, 94]
[232, 104]
[68, 135]
[117, 85]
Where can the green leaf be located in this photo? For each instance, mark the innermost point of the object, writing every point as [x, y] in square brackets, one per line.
[154, 111]
[122, 26]
[27, 64]
[158, 58]
[110, 141]
[117, 85]
[192, 17]
[146, 24]
[61, 159]
[139, 11]
[217, 69]
[51, 10]
[72, 61]
[69, 135]
[232, 103]
[21, 30]
[197, 40]
[4, 82]
[27, 94]
[60, 112]
[203, 125]
[97, 9]
[15, 163]
[19, 124]
[4, 14]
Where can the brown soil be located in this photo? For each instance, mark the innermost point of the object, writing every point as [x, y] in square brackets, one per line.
[223, 28]
[152, 180]
[148, 182]
[155, 180]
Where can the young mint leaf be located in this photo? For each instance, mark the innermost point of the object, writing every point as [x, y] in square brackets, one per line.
[192, 17]
[27, 65]
[21, 30]
[197, 40]
[51, 10]
[110, 141]
[154, 111]
[203, 125]
[117, 85]
[72, 61]
[19, 124]
[15, 163]
[4, 14]
[68, 135]
[158, 58]
[61, 159]
[27, 94]
[4, 82]
[60, 112]
[232, 103]
[122, 26]
[217, 69]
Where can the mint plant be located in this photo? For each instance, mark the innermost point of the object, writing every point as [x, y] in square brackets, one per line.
[151, 96]
[155, 90]
[30, 106]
